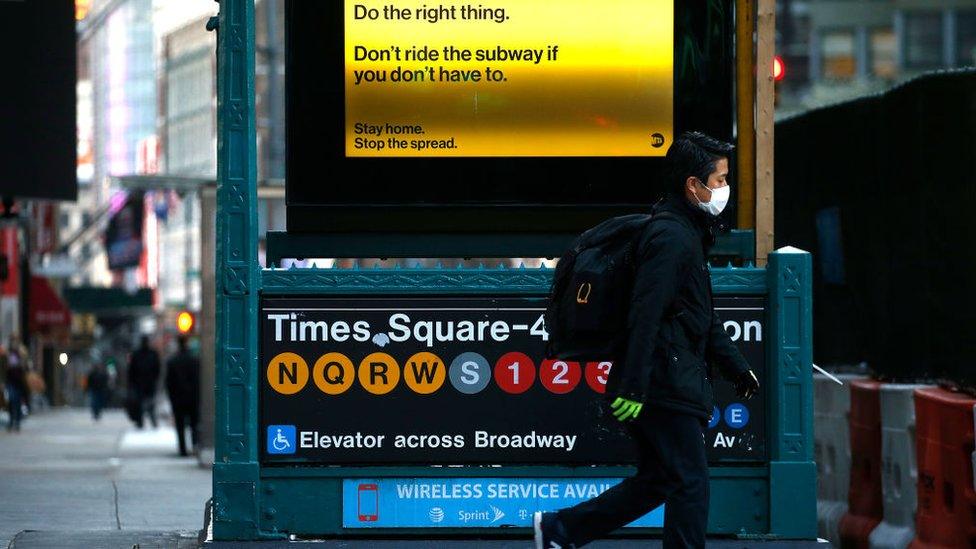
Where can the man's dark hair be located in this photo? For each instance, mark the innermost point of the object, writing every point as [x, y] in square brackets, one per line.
[694, 154]
[181, 343]
[144, 342]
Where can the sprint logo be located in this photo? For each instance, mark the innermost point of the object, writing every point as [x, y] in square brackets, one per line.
[493, 515]
[498, 514]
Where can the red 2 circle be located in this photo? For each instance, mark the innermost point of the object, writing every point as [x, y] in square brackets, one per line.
[559, 376]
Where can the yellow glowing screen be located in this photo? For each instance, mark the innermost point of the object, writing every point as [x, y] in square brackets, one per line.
[512, 78]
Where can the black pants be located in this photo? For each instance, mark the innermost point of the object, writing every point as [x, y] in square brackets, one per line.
[98, 399]
[183, 418]
[672, 469]
[147, 407]
[14, 402]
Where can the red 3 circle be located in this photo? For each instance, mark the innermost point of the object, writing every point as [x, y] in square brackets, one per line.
[596, 375]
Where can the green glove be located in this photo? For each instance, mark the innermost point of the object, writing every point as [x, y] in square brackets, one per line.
[625, 409]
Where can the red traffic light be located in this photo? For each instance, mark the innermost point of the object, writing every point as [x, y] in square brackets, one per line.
[184, 322]
[779, 68]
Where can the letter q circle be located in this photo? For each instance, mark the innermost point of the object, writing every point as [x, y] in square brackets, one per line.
[333, 373]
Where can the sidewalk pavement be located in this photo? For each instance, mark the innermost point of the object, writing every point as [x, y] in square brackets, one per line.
[64, 473]
[105, 539]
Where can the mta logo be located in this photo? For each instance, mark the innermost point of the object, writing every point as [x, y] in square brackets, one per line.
[281, 439]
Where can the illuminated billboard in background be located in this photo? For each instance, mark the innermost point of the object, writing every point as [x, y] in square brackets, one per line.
[529, 78]
[506, 116]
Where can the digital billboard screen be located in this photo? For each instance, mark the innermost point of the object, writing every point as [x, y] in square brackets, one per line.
[522, 116]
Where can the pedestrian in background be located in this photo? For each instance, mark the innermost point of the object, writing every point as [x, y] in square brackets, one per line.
[97, 387]
[144, 369]
[183, 387]
[15, 384]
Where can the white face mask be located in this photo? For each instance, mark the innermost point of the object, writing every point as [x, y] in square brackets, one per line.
[720, 198]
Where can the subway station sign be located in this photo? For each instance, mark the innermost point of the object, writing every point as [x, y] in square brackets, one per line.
[463, 380]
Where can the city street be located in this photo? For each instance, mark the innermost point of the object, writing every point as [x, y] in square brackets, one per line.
[411, 272]
[64, 474]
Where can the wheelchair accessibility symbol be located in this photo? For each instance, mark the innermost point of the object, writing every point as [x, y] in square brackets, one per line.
[281, 439]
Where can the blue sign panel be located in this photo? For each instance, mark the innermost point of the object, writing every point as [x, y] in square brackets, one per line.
[467, 502]
[281, 439]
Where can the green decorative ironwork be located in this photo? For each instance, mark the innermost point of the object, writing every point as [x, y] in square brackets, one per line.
[792, 471]
[508, 280]
[739, 281]
[385, 281]
[236, 472]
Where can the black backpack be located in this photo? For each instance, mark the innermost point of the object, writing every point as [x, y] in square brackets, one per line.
[591, 291]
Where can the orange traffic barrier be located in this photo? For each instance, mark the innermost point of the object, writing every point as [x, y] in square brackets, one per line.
[946, 497]
[864, 501]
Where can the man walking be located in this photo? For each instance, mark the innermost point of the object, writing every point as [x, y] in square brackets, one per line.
[183, 387]
[662, 387]
[144, 369]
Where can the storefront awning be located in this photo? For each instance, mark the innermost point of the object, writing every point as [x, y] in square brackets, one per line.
[47, 310]
[88, 299]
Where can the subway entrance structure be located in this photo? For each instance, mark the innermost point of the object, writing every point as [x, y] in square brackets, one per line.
[417, 401]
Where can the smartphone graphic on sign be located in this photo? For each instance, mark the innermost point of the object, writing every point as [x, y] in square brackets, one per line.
[369, 503]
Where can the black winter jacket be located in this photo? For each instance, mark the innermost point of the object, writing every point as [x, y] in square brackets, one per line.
[183, 382]
[674, 336]
[144, 370]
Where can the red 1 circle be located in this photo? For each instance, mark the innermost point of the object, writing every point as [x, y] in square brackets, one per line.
[559, 376]
[515, 373]
[596, 375]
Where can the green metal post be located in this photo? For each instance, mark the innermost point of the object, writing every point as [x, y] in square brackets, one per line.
[792, 471]
[236, 472]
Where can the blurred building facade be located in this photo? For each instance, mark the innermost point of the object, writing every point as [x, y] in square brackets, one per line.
[116, 113]
[146, 125]
[836, 50]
